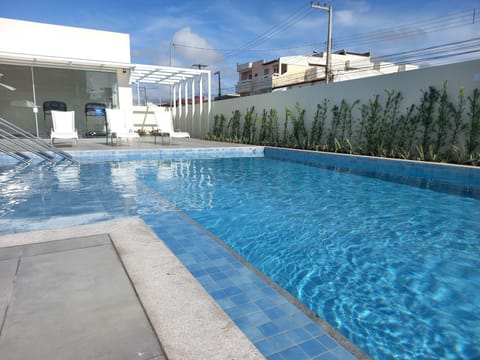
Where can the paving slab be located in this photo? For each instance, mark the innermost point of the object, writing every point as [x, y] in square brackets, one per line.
[8, 269]
[187, 321]
[71, 299]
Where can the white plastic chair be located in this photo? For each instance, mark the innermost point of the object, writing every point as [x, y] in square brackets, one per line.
[164, 121]
[63, 126]
[120, 125]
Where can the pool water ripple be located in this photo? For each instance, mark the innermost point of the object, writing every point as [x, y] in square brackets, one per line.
[394, 267]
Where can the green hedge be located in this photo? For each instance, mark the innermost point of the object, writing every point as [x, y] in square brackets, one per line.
[435, 129]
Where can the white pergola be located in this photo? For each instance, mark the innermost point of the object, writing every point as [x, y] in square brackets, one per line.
[179, 80]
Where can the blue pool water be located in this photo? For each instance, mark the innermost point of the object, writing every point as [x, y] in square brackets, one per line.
[395, 268]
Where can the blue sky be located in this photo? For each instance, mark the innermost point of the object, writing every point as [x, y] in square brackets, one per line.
[222, 33]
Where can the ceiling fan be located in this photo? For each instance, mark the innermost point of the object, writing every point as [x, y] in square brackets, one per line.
[9, 87]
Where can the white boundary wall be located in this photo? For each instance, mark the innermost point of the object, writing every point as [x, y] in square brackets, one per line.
[409, 83]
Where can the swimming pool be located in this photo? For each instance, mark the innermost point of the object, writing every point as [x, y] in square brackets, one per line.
[394, 267]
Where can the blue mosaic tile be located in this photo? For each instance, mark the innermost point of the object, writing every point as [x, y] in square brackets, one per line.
[236, 312]
[240, 299]
[282, 342]
[287, 323]
[232, 290]
[266, 347]
[342, 354]
[327, 356]
[275, 357]
[225, 303]
[167, 154]
[299, 335]
[269, 329]
[265, 304]
[198, 273]
[314, 330]
[455, 179]
[328, 342]
[217, 295]
[218, 276]
[313, 347]
[258, 318]
[294, 353]
[301, 318]
[275, 313]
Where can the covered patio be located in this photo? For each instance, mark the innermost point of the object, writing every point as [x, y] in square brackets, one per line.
[72, 68]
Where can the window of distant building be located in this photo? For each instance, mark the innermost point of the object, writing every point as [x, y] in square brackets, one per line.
[284, 68]
[266, 71]
[245, 76]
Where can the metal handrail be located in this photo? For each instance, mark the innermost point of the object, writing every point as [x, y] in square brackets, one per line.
[37, 146]
[12, 152]
[16, 143]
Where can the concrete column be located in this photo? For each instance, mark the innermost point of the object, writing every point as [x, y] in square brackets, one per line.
[193, 104]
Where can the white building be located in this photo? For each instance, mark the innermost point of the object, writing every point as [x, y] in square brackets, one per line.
[295, 71]
[44, 62]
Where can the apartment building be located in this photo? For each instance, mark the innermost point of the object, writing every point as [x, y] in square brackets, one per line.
[260, 77]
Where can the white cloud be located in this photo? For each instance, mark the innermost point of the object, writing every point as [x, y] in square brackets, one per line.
[192, 47]
[345, 17]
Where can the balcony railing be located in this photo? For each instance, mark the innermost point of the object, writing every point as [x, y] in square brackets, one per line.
[243, 86]
[245, 66]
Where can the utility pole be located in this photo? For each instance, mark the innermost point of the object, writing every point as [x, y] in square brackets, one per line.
[329, 39]
[199, 66]
[219, 88]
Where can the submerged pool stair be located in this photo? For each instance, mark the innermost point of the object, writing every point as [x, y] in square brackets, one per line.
[20, 145]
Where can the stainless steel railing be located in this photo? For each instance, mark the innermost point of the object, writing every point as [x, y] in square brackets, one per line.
[20, 144]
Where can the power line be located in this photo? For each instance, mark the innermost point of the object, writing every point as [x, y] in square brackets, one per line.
[444, 49]
[246, 50]
[410, 30]
[434, 47]
[415, 29]
[298, 15]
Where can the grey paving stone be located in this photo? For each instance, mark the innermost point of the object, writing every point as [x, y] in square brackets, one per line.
[75, 304]
[7, 278]
[53, 246]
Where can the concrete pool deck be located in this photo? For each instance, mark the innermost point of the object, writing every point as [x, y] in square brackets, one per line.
[110, 290]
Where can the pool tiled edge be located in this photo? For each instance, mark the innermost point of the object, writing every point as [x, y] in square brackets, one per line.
[151, 154]
[168, 154]
[452, 172]
[273, 323]
[463, 180]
